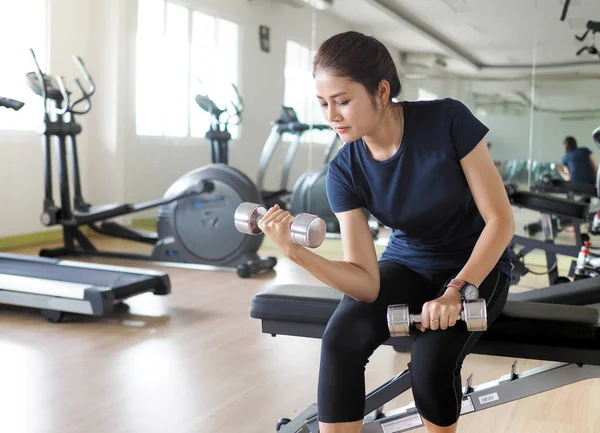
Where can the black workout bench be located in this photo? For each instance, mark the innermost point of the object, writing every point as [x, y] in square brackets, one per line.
[536, 328]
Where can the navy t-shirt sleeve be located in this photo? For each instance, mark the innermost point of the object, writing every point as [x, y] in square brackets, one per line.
[565, 159]
[466, 130]
[340, 192]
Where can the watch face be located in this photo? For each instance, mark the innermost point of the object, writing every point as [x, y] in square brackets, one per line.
[470, 292]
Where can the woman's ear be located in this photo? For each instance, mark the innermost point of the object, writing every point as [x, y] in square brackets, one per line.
[383, 92]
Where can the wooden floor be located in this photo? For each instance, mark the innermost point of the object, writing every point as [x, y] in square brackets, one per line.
[194, 361]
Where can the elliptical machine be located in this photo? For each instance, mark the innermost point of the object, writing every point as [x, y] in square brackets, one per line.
[195, 226]
[218, 133]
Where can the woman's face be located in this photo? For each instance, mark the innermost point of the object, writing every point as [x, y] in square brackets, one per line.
[346, 105]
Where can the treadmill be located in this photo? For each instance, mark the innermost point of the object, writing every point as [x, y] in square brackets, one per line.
[61, 286]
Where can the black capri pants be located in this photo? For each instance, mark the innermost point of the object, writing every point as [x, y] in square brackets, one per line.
[356, 329]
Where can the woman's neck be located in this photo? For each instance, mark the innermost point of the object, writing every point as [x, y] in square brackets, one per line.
[384, 141]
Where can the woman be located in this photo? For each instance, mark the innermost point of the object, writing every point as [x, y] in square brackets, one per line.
[578, 164]
[423, 169]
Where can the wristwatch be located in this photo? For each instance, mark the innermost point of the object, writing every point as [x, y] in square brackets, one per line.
[467, 290]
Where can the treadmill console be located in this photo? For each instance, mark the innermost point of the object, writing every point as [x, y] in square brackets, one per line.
[288, 115]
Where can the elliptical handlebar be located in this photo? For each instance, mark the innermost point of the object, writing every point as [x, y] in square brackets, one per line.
[86, 98]
[86, 94]
[85, 74]
[40, 76]
[13, 104]
[238, 106]
[65, 95]
[208, 105]
[66, 106]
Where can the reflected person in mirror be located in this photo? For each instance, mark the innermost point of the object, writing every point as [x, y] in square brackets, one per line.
[578, 164]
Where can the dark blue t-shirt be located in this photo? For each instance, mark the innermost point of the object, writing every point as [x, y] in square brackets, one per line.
[580, 166]
[421, 191]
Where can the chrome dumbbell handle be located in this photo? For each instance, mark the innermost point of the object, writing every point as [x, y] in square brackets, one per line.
[306, 229]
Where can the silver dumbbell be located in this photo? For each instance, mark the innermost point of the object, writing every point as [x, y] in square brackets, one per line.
[306, 229]
[474, 314]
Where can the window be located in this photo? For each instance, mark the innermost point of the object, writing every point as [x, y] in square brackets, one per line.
[299, 92]
[24, 25]
[181, 52]
[426, 95]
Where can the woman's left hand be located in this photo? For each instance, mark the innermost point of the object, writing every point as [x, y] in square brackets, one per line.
[441, 313]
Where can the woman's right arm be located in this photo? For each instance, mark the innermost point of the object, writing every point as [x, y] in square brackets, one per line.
[358, 274]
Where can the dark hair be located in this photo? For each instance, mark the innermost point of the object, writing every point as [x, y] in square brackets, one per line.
[571, 143]
[359, 58]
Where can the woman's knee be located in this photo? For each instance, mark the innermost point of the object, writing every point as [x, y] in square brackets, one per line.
[351, 335]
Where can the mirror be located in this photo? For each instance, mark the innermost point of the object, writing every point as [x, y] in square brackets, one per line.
[566, 105]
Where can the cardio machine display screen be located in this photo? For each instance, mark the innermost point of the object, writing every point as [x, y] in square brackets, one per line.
[288, 114]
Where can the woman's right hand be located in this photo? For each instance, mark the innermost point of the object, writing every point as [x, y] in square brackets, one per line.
[275, 224]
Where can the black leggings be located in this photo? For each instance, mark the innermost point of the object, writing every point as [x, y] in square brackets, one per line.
[356, 329]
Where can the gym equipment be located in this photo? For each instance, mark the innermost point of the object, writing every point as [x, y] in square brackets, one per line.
[566, 334]
[195, 227]
[474, 314]
[11, 103]
[547, 205]
[306, 230]
[573, 191]
[594, 27]
[218, 133]
[287, 123]
[552, 185]
[58, 287]
[595, 224]
[309, 193]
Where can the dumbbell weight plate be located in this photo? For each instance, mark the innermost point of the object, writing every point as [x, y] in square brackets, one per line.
[308, 230]
[398, 319]
[247, 216]
[475, 315]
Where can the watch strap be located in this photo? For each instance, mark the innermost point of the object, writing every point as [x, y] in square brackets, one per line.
[457, 284]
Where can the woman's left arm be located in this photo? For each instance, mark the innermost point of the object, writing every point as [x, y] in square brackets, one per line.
[492, 202]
